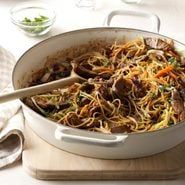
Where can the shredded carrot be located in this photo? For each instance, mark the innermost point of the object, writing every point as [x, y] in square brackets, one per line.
[164, 71]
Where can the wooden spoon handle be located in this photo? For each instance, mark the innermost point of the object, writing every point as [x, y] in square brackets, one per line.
[30, 91]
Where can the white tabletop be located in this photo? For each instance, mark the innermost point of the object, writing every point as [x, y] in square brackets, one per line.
[69, 17]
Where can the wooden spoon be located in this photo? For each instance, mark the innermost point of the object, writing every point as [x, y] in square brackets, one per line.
[42, 88]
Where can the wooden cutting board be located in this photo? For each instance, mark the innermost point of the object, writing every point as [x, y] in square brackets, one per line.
[44, 161]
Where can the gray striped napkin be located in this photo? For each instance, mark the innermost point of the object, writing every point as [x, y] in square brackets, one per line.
[11, 117]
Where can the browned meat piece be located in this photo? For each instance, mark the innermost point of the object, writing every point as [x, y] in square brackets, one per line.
[174, 54]
[154, 54]
[105, 76]
[120, 129]
[95, 123]
[121, 86]
[61, 70]
[104, 91]
[29, 102]
[73, 119]
[137, 83]
[87, 87]
[45, 105]
[64, 105]
[84, 101]
[84, 72]
[52, 71]
[156, 43]
[140, 87]
[58, 67]
[36, 77]
[42, 104]
[178, 105]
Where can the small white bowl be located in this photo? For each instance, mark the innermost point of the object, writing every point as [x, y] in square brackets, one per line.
[34, 19]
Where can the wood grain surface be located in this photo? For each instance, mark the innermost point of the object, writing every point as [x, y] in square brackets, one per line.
[44, 161]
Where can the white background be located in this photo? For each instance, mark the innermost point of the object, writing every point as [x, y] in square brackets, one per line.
[69, 17]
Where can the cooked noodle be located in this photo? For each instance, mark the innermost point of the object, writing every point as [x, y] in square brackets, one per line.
[133, 87]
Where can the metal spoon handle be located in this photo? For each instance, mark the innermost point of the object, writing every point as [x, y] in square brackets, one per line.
[30, 91]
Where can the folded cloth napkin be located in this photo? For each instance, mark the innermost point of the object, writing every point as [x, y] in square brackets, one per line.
[11, 117]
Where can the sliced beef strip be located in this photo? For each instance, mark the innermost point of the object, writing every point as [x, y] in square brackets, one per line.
[105, 76]
[177, 102]
[84, 72]
[120, 129]
[178, 105]
[156, 43]
[137, 83]
[121, 86]
[62, 69]
[30, 103]
[45, 105]
[64, 105]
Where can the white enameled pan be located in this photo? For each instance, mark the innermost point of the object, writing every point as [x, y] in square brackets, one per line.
[98, 145]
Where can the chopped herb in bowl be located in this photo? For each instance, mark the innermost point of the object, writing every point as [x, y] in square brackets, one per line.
[37, 22]
[33, 19]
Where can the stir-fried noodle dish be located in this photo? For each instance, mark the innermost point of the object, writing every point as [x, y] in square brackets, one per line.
[131, 87]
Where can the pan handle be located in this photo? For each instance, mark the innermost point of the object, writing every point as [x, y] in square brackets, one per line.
[74, 136]
[154, 18]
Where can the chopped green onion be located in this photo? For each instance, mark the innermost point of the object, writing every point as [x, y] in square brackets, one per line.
[36, 21]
